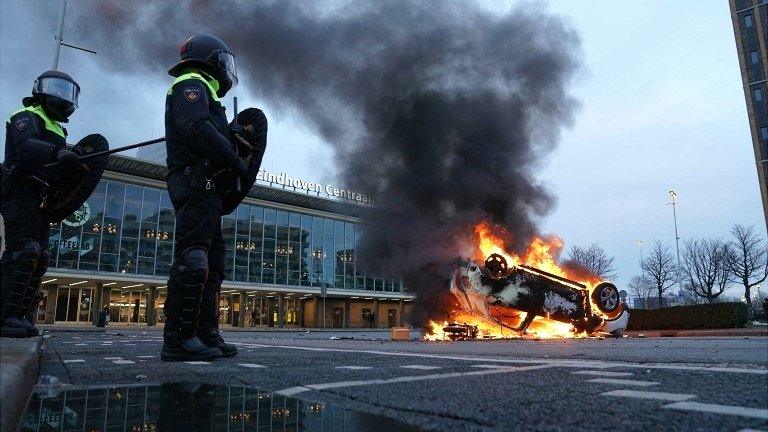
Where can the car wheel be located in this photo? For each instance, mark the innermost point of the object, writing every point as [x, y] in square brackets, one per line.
[497, 266]
[606, 297]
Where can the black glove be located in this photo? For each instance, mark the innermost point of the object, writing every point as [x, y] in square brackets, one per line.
[68, 160]
[240, 137]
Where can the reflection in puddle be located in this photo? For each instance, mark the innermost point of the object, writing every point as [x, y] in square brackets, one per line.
[188, 407]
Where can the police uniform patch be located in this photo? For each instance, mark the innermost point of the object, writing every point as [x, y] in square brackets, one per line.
[21, 123]
[192, 94]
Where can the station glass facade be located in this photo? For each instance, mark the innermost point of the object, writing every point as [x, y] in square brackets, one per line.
[128, 229]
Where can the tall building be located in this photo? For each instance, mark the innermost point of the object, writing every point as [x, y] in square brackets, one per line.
[750, 25]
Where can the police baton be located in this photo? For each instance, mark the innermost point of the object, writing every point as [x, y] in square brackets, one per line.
[115, 150]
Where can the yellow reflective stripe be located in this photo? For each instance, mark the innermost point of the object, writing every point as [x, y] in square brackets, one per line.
[197, 76]
[49, 124]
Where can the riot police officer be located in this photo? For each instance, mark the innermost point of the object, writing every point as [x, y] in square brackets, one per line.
[34, 137]
[207, 157]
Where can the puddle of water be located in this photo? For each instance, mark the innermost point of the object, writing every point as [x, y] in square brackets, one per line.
[189, 407]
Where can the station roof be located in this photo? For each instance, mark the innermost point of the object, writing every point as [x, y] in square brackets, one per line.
[151, 170]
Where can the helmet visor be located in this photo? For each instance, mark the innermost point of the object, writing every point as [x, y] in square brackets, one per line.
[226, 62]
[58, 87]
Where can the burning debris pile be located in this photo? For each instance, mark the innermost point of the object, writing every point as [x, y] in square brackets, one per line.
[513, 296]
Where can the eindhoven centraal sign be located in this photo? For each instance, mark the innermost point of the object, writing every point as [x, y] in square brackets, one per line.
[330, 190]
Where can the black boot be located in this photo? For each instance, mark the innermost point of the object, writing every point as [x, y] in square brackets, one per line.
[178, 348]
[182, 307]
[212, 338]
[208, 330]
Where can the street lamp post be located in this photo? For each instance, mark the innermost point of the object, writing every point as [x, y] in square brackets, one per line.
[60, 38]
[673, 197]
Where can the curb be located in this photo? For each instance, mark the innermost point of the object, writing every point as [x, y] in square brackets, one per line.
[19, 363]
[696, 333]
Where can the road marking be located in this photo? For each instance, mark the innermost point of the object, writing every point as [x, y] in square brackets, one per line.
[251, 365]
[80, 344]
[198, 362]
[751, 430]
[637, 394]
[624, 382]
[146, 356]
[113, 358]
[592, 364]
[421, 367]
[353, 367]
[341, 384]
[123, 362]
[74, 361]
[488, 366]
[603, 373]
[757, 413]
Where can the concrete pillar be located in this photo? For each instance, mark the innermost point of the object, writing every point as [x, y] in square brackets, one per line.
[243, 310]
[375, 313]
[300, 311]
[106, 296]
[50, 306]
[401, 313]
[96, 302]
[316, 305]
[281, 310]
[347, 308]
[151, 303]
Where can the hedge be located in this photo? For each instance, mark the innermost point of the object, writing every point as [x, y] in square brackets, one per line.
[704, 316]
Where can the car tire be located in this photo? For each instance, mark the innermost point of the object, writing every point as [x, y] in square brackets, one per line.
[606, 297]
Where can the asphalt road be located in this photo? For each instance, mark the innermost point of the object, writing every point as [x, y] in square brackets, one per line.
[612, 384]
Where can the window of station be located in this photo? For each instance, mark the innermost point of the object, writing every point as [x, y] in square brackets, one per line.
[128, 229]
[758, 95]
[748, 21]
[755, 57]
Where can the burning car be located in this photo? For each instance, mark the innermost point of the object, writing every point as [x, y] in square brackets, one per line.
[501, 293]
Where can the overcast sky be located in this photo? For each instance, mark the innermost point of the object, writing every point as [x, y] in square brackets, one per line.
[662, 108]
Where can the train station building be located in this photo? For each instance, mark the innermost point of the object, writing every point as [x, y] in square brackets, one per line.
[291, 259]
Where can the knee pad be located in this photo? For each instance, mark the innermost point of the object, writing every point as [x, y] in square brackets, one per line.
[26, 254]
[42, 263]
[191, 267]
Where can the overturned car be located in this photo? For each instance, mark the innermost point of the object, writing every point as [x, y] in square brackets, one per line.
[498, 292]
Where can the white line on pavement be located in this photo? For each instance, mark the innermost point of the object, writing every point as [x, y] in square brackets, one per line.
[113, 358]
[74, 361]
[637, 394]
[145, 356]
[353, 367]
[123, 362]
[624, 382]
[323, 386]
[752, 430]
[198, 362]
[488, 366]
[603, 373]
[593, 364]
[720, 409]
[421, 367]
[251, 365]
[80, 344]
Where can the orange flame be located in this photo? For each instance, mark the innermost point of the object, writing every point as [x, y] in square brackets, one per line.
[541, 253]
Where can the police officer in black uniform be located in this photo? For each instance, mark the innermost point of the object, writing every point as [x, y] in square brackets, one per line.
[206, 156]
[34, 137]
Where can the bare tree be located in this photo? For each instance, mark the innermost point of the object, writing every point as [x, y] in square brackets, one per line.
[594, 259]
[705, 266]
[748, 264]
[642, 289]
[659, 266]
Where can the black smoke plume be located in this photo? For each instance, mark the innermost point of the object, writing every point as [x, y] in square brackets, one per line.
[440, 109]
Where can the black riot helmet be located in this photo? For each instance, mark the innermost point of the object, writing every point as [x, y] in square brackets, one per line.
[212, 56]
[57, 93]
